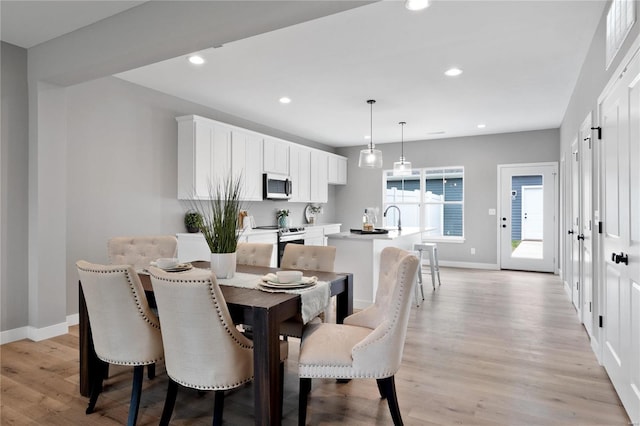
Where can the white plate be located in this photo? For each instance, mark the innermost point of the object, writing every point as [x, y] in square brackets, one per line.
[179, 267]
[306, 282]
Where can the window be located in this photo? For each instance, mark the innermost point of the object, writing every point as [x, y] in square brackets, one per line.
[430, 199]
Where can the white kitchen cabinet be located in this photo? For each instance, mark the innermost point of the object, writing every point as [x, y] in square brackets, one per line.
[246, 160]
[276, 156]
[193, 247]
[319, 178]
[314, 236]
[204, 156]
[300, 173]
[337, 170]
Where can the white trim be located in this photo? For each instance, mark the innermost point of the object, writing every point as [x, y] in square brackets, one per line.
[73, 319]
[13, 335]
[37, 334]
[468, 265]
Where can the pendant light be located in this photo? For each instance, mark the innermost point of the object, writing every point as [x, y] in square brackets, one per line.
[402, 167]
[370, 158]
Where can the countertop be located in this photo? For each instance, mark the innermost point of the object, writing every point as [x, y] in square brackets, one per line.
[392, 235]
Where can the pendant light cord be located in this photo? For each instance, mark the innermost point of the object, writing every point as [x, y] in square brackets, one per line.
[371, 102]
[402, 123]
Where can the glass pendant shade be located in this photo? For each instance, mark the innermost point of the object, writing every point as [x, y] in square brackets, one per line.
[370, 158]
[402, 167]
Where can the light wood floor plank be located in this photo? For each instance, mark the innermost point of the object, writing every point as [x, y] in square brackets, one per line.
[485, 348]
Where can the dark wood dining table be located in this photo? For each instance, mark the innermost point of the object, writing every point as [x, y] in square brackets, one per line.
[264, 311]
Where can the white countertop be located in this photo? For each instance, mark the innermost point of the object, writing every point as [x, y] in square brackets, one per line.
[392, 235]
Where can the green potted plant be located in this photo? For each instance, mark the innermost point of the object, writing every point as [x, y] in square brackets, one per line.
[283, 218]
[192, 221]
[220, 224]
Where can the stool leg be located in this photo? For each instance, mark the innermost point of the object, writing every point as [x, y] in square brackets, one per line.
[435, 256]
[432, 267]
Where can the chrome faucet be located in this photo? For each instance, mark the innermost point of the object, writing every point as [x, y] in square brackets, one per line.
[399, 215]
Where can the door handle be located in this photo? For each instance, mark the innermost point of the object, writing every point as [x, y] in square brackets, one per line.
[620, 258]
[570, 231]
[580, 237]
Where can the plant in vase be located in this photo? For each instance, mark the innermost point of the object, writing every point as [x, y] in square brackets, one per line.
[219, 224]
[283, 218]
[192, 221]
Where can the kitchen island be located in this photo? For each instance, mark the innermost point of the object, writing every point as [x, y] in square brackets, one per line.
[360, 254]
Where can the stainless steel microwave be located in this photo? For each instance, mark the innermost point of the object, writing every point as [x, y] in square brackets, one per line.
[276, 187]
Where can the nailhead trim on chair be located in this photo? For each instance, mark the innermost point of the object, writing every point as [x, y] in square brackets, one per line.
[140, 310]
[347, 373]
[215, 303]
[200, 387]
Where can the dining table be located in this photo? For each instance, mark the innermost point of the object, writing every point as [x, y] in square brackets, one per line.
[264, 311]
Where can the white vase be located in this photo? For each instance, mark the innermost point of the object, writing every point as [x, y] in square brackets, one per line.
[223, 264]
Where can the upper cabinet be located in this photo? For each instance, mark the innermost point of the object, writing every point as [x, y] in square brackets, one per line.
[337, 170]
[300, 173]
[319, 172]
[204, 156]
[208, 151]
[246, 160]
[276, 156]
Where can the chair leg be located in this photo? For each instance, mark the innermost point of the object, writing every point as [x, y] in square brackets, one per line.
[136, 391]
[389, 386]
[432, 268]
[151, 371]
[100, 372]
[435, 258]
[305, 388]
[218, 408]
[381, 389]
[169, 402]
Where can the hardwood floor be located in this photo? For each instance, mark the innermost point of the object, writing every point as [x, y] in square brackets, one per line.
[486, 348]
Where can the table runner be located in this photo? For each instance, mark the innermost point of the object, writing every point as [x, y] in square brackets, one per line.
[314, 299]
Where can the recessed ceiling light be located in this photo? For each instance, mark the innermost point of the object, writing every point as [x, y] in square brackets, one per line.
[481, 126]
[437, 132]
[453, 72]
[285, 100]
[417, 4]
[367, 137]
[196, 59]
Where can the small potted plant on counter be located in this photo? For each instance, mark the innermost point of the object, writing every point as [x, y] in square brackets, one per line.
[283, 218]
[193, 221]
[311, 213]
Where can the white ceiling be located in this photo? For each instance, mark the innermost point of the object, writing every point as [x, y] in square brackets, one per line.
[520, 59]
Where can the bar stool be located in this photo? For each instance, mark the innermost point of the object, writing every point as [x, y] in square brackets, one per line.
[432, 249]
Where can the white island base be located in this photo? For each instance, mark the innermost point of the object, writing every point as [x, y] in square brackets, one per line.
[360, 254]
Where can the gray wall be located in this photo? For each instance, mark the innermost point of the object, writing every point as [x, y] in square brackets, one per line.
[14, 180]
[480, 156]
[121, 169]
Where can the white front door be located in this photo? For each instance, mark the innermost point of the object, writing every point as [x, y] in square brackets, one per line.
[620, 156]
[516, 252]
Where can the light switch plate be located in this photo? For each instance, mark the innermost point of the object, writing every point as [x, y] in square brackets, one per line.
[492, 212]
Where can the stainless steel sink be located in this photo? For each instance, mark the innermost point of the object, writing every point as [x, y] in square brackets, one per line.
[375, 231]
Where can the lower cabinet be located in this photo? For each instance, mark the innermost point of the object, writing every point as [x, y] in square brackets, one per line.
[317, 235]
[192, 247]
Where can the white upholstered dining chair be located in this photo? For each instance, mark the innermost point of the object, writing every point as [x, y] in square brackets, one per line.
[125, 330]
[139, 251]
[203, 348]
[370, 343]
[254, 254]
[309, 258]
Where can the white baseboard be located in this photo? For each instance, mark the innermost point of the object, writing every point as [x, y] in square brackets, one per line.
[37, 334]
[466, 265]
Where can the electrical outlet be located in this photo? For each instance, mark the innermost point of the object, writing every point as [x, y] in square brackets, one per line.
[473, 250]
[492, 212]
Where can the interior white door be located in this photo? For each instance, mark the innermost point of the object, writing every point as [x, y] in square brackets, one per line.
[620, 156]
[516, 252]
[576, 249]
[586, 215]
